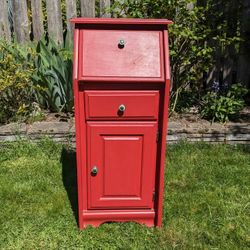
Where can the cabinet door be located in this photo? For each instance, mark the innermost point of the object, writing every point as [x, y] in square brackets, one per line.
[124, 156]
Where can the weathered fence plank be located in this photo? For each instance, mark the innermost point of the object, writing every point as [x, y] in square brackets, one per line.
[54, 14]
[21, 22]
[88, 8]
[70, 12]
[37, 19]
[104, 8]
[244, 55]
[4, 23]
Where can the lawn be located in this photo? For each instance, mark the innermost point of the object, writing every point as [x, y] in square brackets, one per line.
[206, 203]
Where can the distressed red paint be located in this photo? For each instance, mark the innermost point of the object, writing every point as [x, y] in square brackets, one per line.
[121, 88]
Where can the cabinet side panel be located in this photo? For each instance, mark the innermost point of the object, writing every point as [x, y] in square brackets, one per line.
[163, 133]
[78, 128]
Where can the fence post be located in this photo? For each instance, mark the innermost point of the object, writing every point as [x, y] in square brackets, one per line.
[104, 8]
[4, 23]
[37, 19]
[70, 12]
[54, 14]
[21, 22]
[88, 8]
[244, 55]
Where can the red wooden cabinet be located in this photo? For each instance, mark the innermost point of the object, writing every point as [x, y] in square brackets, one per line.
[121, 90]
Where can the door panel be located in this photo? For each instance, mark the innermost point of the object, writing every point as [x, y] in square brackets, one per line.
[124, 154]
[123, 162]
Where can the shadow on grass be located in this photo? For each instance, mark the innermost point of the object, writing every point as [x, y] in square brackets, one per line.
[69, 177]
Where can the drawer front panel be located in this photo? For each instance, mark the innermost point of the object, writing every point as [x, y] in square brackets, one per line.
[120, 105]
[121, 54]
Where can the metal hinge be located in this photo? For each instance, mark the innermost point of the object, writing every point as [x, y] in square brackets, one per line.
[153, 198]
[157, 136]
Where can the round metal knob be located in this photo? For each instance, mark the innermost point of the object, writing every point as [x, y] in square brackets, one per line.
[121, 43]
[122, 108]
[94, 170]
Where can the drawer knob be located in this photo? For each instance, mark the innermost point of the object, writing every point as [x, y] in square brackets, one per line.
[122, 108]
[121, 43]
[94, 170]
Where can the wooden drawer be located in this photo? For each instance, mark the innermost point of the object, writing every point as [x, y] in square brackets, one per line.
[120, 105]
[102, 57]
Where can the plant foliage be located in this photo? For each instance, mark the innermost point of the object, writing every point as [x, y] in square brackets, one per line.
[223, 107]
[54, 73]
[201, 30]
[16, 89]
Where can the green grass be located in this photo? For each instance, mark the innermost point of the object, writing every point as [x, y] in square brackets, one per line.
[206, 205]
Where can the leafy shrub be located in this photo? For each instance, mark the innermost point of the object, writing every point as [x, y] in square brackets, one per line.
[16, 89]
[223, 107]
[54, 74]
[33, 76]
[185, 100]
[200, 29]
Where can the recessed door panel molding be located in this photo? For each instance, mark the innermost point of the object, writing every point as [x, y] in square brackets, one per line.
[125, 155]
[124, 164]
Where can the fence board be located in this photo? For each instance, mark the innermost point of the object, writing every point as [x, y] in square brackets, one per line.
[37, 19]
[4, 23]
[104, 8]
[88, 8]
[54, 14]
[244, 55]
[70, 12]
[21, 22]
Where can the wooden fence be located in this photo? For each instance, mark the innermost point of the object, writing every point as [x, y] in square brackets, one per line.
[25, 19]
[233, 66]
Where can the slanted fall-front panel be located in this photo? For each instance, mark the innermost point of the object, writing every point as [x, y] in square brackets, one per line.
[102, 56]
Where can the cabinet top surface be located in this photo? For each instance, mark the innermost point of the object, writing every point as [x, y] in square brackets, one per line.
[125, 21]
